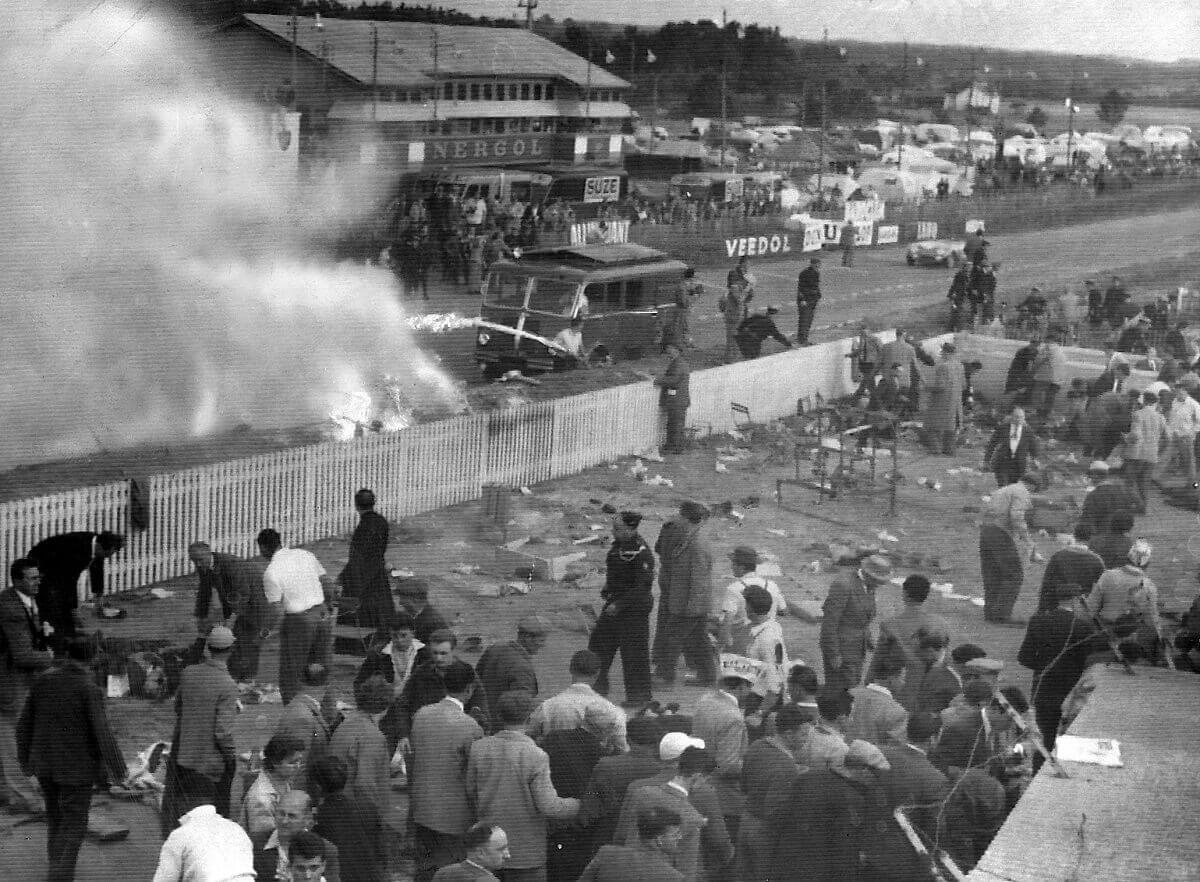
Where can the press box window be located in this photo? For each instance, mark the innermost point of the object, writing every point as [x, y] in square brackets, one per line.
[537, 91]
[474, 91]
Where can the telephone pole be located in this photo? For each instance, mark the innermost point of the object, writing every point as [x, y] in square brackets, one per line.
[374, 70]
[528, 6]
[903, 90]
[724, 58]
[295, 29]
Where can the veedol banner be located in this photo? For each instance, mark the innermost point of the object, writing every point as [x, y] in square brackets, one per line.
[752, 246]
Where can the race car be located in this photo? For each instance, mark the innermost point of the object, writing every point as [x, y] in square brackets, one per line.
[936, 252]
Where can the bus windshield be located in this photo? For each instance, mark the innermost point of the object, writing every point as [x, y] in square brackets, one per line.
[507, 288]
[553, 295]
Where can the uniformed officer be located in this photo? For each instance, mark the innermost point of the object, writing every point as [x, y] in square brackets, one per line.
[624, 622]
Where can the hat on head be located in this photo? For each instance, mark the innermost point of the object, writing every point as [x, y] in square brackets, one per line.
[877, 567]
[739, 667]
[744, 556]
[693, 511]
[949, 347]
[1139, 553]
[1098, 467]
[220, 637]
[630, 518]
[864, 754]
[772, 309]
[535, 626]
[673, 744]
[412, 587]
[985, 665]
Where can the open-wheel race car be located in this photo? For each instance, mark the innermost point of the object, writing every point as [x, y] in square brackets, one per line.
[936, 252]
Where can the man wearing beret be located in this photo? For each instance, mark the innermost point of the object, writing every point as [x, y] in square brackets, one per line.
[625, 619]
[849, 609]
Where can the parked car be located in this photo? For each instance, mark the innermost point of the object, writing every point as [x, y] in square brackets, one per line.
[936, 252]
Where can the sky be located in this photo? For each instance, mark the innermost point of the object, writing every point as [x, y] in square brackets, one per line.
[1161, 30]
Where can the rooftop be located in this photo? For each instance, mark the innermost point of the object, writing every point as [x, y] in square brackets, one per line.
[1130, 823]
[406, 51]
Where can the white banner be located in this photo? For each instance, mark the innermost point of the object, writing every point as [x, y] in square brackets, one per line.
[588, 233]
[927, 229]
[864, 232]
[832, 231]
[602, 189]
[814, 236]
[972, 225]
[862, 210]
[758, 246]
[887, 235]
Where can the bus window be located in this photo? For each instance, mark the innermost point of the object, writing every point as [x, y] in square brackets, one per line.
[633, 293]
[662, 290]
[554, 296]
[603, 297]
[506, 288]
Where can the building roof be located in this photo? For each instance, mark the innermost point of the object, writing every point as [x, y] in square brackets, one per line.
[406, 51]
[1134, 822]
[980, 87]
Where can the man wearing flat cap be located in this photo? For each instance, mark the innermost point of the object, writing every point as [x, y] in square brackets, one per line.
[944, 414]
[414, 597]
[687, 566]
[203, 759]
[508, 667]
[849, 609]
[624, 623]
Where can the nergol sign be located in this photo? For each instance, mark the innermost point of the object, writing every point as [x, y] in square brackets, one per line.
[475, 150]
[749, 246]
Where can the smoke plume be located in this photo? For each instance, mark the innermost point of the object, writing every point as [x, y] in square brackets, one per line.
[154, 260]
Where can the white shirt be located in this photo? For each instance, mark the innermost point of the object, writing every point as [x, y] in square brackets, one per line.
[1014, 438]
[570, 340]
[402, 666]
[735, 597]
[764, 637]
[205, 848]
[1184, 419]
[294, 576]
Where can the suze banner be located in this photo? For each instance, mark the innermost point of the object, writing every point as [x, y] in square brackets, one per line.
[602, 189]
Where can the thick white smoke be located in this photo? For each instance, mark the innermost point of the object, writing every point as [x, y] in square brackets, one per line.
[153, 261]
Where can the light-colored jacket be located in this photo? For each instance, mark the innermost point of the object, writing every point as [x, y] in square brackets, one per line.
[719, 723]
[441, 738]
[508, 782]
[689, 564]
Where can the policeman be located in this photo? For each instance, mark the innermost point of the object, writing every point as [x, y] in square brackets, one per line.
[624, 622]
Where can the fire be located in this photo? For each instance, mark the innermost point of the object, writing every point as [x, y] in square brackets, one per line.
[360, 410]
[439, 323]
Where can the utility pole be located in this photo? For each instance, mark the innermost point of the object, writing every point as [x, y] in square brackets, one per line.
[821, 160]
[903, 90]
[724, 59]
[587, 107]
[528, 6]
[1071, 122]
[295, 29]
[632, 55]
[374, 70]
[437, 86]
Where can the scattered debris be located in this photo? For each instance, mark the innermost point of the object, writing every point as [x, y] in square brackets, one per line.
[525, 491]
[588, 540]
[782, 534]
[721, 467]
[161, 593]
[465, 569]
[660, 481]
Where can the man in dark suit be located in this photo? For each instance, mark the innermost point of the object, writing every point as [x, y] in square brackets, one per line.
[237, 584]
[1074, 565]
[353, 825]
[1056, 647]
[849, 609]
[660, 831]
[914, 784]
[508, 667]
[293, 815]
[1012, 449]
[366, 574]
[62, 560]
[441, 739]
[674, 397]
[487, 852]
[808, 295]
[23, 655]
[624, 622]
[611, 777]
[64, 740]
[203, 757]
[427, 685]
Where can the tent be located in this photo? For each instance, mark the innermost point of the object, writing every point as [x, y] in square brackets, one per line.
[892, 185]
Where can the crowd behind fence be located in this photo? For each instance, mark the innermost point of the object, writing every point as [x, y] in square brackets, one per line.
[306, 492]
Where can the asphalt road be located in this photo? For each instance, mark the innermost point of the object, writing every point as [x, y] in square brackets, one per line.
[882, 286]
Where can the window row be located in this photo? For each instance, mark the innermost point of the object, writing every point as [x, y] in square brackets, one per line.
[498, 91]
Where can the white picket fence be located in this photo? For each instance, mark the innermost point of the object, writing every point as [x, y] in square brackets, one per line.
[306, 492]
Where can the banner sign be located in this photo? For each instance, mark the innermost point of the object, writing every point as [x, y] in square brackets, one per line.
[973, 225]
[863, 210]
[604, 189]
[832, 232]
[814, 236]
[751, 246]
[927, 229]
[864, 232]
[887, 235]
[500, 148]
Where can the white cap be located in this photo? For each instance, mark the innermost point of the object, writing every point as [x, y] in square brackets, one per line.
[673, 745]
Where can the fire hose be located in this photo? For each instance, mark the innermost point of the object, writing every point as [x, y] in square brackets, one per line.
[517, 332]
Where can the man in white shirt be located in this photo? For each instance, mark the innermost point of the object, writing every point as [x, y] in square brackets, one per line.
[735, 623]
[571, 340]
[580, 704]
[766, 646]
[295, 579]
[205, 848]
[1183, 423]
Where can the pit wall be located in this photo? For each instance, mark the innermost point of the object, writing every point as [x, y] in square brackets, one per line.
[306, 492]
[996, 354]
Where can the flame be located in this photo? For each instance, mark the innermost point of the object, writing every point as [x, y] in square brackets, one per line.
[358, 411]
[439, 323]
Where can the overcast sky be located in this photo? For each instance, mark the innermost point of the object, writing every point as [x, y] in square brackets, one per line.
[1163, 30]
